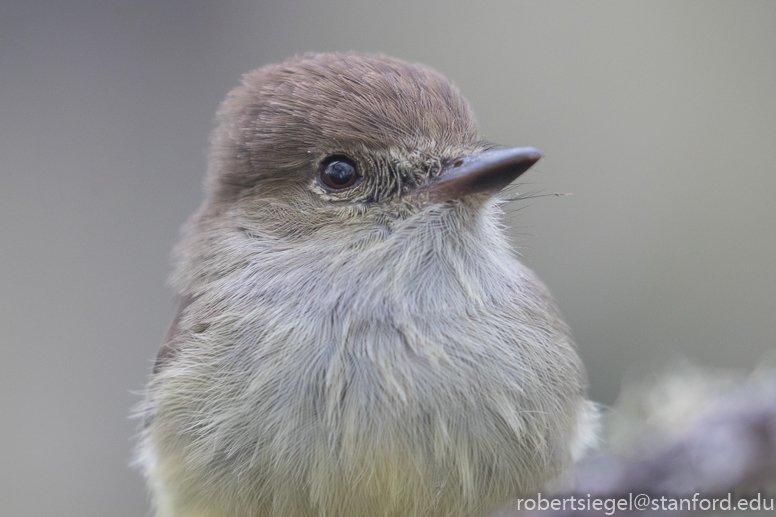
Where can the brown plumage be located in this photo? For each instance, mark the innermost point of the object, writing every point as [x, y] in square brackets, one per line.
[317, 101]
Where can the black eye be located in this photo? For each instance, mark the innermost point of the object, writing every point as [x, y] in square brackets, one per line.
[338, 172]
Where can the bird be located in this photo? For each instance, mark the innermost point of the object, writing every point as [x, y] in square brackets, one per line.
[356, 336]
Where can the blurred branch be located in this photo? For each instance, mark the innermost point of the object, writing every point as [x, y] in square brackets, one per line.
[729, 448]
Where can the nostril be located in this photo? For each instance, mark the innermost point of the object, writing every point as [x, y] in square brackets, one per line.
[458, 163]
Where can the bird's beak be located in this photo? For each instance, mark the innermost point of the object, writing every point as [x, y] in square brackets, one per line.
[486, 172]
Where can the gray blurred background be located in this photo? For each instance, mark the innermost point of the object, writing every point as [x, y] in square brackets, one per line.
[659, 117]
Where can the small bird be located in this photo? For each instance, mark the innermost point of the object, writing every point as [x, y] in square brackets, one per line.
[355, 337]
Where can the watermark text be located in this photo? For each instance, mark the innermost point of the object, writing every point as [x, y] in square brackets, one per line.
[640, 502]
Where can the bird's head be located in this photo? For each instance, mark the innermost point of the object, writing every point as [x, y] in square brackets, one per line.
[351, 147]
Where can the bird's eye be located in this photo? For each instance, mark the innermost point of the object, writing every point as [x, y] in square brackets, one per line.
[338, 172]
